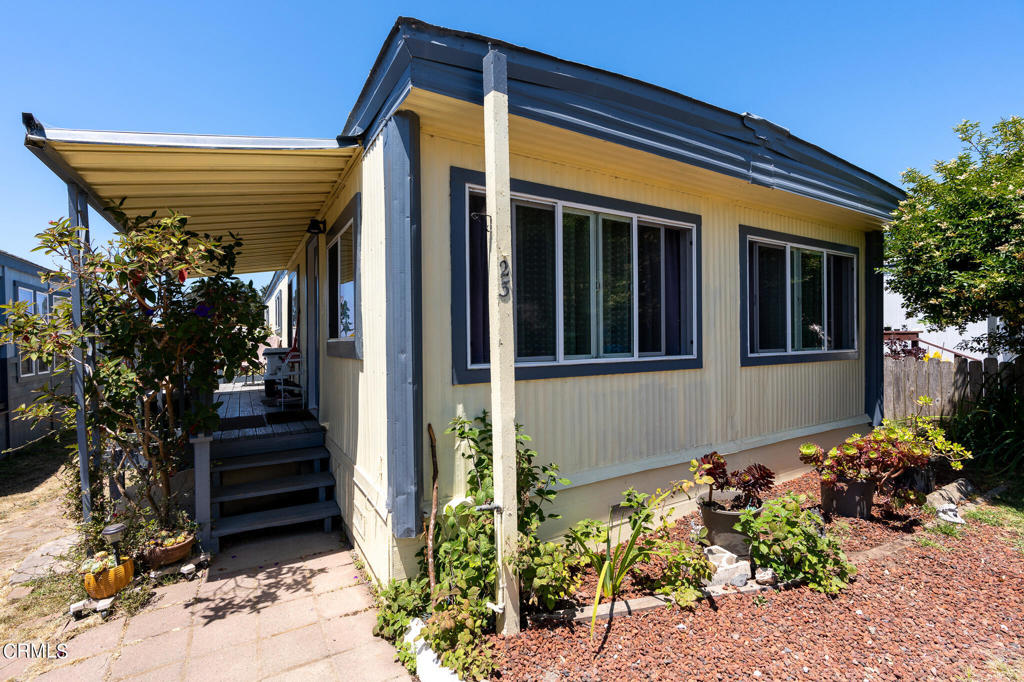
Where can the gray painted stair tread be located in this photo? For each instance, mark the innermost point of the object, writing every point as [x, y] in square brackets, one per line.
[284, 484]
[268, 458]
[274, 517]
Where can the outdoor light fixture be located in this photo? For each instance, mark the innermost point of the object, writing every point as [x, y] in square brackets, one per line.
[316, 226]
[112, 535]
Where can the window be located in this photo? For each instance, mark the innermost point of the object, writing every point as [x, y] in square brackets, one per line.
[591, 286]
[278, 329]
[341, 285]
[38, 302]
[801, 296]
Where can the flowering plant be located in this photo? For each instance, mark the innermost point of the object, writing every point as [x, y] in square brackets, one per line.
[152, 343]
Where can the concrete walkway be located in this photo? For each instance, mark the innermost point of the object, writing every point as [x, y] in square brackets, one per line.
[286, 608]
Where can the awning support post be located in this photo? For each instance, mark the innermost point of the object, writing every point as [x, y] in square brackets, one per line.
[503, 387]
[78, 214]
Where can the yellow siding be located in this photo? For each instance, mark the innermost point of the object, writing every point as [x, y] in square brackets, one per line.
[597, 428]
[352, 391]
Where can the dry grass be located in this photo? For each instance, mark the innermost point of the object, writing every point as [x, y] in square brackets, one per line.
[28, 476]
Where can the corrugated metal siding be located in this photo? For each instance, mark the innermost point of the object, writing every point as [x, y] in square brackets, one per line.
[594, 422]
[352, 394]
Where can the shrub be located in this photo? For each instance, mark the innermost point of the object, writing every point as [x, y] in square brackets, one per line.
[789, 540]
[685, 567]
[992, 426]
[465, 559]
[888, 451]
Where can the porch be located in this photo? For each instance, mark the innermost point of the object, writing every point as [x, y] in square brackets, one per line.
[264, 467]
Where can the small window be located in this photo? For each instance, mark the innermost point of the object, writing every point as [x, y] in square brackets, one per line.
[341, 285]
[588, 285]
[800, 299]
[27, 366]
[278, 328]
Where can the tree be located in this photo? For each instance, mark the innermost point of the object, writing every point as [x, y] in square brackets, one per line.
[955, 247]
[161, 339]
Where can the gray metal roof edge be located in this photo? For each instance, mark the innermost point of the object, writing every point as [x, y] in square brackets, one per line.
[8, 259]
[37, 131]
[412, 41]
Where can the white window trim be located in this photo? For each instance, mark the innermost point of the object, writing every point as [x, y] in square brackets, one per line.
[350, 225]
[599, 211]
[789, 246]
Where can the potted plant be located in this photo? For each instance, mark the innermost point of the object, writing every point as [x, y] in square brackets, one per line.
[104, 576]
[851, 473]
[740, 490]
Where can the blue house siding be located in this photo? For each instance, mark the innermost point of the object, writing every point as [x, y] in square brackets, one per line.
[15, 389]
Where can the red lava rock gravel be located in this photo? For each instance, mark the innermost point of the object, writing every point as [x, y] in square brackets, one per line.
[923, 613]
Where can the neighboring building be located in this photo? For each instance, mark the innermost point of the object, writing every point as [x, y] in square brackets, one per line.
[687, 278]
[22, 376]
[946, 342]
[280, 302]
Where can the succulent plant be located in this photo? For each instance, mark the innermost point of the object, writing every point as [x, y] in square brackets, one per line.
[751, 482]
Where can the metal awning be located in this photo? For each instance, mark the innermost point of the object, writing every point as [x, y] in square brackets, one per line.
[264, 189]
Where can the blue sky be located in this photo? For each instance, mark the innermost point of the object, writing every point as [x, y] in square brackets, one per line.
[878, 83]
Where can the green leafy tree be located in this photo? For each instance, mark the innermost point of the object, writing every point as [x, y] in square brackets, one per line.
[955, 247]
[161, 341]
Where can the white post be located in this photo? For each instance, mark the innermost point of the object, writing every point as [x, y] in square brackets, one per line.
[503, 387]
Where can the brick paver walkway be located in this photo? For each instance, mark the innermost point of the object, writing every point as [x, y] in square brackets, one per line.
[291, 607]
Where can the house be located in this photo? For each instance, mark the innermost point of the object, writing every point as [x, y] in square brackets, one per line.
[22, 376]
[280, 301]
[685, 278]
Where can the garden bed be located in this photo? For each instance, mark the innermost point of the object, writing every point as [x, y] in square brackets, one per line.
[948, 606]
[855, 535]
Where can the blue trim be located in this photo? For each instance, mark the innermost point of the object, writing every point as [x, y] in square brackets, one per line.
[404, 319]
[617, 109]
[874, 373]
[495, 72]
[748, 360]
[462, 374]
[349, 349]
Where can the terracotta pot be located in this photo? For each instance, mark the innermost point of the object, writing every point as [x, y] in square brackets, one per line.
[161, 556]
[719, 523]
[111, 581]
[848, 498]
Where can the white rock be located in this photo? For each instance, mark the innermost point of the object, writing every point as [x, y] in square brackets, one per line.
[764, 576]
[729, 570]
[949, 514]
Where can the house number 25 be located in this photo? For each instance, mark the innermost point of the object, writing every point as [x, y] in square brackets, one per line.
[506, 278]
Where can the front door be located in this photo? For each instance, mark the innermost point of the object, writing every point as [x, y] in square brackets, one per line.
[311, 352]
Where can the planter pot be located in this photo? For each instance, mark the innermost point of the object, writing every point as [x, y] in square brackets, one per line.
[719, 523]
[161, 556]
[111, 581]
[848, 498]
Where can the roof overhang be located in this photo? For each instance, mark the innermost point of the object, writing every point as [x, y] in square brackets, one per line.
[617, 109]
[263, 189]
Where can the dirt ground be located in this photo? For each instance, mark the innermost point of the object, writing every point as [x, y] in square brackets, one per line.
[30, 517]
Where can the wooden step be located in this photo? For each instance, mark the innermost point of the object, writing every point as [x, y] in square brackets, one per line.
[285, 516]
[263, 459]
[272, 486]
[249, 446]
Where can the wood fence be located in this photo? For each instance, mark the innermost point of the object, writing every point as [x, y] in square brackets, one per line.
[948, 384]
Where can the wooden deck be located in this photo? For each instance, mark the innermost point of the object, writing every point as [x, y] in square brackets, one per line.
[241, 400]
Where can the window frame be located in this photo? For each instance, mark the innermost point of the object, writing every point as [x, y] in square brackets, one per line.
[350, 225]
[38, 294]
[789, 242]
[351, 348]
[466, 182]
